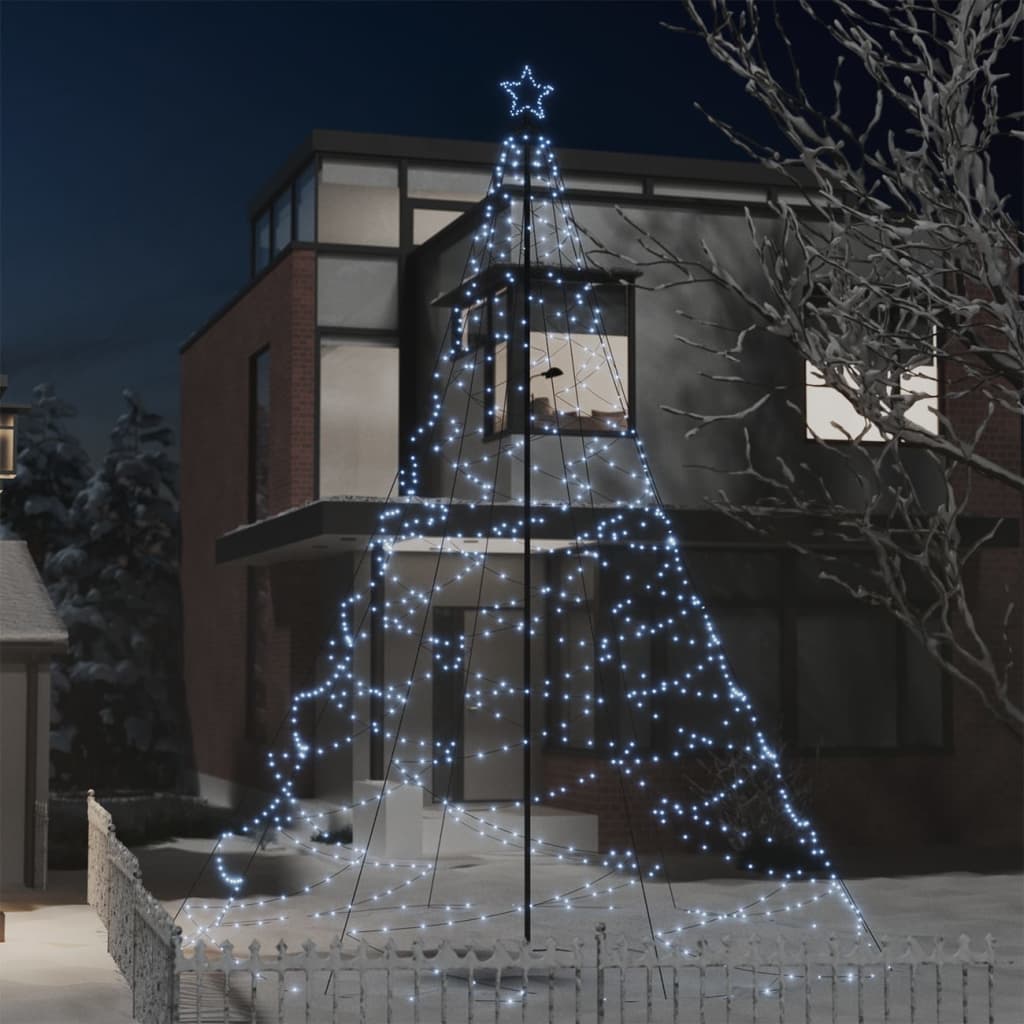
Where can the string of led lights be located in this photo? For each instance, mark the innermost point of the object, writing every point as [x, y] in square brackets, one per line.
[472, 442]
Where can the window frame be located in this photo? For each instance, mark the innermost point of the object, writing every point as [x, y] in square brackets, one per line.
[828, 436]
[252, 497]
[256, 271]
[785, 603]
[383, 337]
[490, 368]
[381, 163]
[287, 194]
[313, 170]
[268, 210]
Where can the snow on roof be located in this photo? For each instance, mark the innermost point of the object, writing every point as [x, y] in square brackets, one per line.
[27, 615]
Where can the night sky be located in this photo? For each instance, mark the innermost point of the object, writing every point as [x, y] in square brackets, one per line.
[135, 135]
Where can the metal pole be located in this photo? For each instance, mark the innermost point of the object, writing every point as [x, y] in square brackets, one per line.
[527, 241]
[378, 561]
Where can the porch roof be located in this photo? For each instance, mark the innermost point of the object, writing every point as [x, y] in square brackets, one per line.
[332, 526]
[27, 615]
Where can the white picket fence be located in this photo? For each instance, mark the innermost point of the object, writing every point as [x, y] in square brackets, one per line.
[597, 981]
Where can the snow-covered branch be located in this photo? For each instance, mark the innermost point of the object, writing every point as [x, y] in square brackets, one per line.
[896, 283]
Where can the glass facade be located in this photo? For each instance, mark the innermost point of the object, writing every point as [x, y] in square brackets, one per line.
[358, 203]
[824, 671]
[282, 221]
[357, 292]
[305, 205]
[358, 416]
[261, 243]
[466, 185]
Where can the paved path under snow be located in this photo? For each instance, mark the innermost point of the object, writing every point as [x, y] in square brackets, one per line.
[54, 966]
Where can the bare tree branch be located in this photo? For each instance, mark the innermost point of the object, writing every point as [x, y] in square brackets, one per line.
[899, 266]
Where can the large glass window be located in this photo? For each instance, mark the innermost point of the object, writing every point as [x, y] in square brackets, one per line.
[579, 362]
[863, 682]
[259, 434]
[823, 671]
[452, 183]
[358, 292]
[913, 381]
[358, 416]
[305, 205]
[282, 220]
[752, 644]
[358, 203]
[849, 671]
[261, 242]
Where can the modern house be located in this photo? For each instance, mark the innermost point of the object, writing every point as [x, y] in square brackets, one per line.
[301, 401]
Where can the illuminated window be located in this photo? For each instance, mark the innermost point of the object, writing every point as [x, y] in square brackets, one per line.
[8, 449]
[461, 184]
[358, 292]
[358, 416]
[830, 417]
[358, 203]
[579, 362]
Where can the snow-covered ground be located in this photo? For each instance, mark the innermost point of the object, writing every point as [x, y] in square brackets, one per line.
[480, 896]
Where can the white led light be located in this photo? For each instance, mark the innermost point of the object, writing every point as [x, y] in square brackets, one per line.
[604, 474]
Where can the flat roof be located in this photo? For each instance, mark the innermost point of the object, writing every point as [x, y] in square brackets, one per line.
[330, 526]
[464, 151]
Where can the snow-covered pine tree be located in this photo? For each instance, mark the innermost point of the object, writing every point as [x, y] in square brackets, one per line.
[116, 588]
[52, 467]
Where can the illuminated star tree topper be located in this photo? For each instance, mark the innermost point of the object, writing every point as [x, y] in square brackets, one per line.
[527, 94]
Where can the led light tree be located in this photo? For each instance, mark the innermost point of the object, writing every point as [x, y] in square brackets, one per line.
[527, 592]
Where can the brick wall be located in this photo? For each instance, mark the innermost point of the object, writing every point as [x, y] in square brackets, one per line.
[989, 777]
[277, 311]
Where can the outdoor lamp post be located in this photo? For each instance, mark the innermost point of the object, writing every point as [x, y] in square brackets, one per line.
[8, 435]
